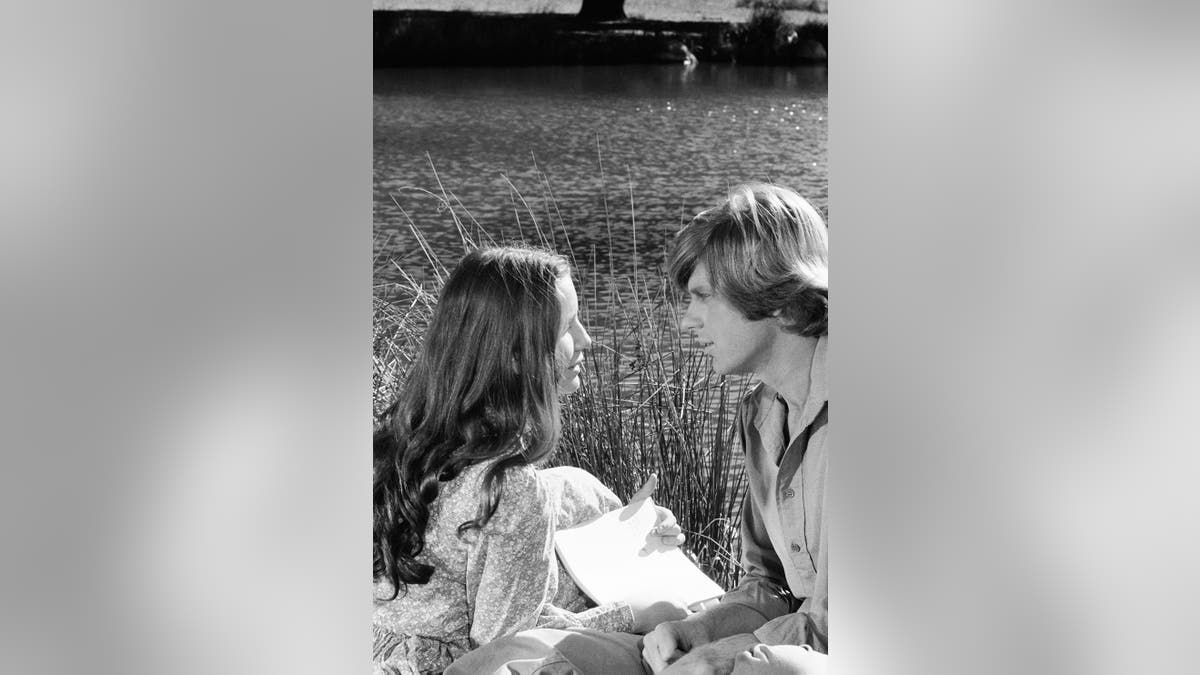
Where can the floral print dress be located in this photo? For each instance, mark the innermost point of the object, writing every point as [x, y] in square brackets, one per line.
[497, 582]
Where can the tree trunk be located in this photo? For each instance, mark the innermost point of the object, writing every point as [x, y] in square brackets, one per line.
[602, 10]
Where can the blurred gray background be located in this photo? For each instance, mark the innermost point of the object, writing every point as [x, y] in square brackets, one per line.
[186, 281]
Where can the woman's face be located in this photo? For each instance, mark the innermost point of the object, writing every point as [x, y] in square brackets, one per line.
[573, 338]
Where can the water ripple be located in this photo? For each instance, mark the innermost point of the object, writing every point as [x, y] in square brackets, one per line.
[612, 159]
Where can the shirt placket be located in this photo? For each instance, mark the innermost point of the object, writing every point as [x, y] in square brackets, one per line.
[790, 497]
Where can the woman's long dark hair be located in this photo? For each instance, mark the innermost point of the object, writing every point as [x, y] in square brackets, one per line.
[482, 388]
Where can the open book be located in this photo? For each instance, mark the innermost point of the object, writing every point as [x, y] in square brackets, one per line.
[611, 560]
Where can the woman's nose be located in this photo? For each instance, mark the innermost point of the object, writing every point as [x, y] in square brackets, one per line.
[584, 342]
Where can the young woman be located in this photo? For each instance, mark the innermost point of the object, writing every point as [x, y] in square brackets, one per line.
[464, 522]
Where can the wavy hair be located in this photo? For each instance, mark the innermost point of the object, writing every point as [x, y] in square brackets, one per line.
[767, 250]
[483, 388]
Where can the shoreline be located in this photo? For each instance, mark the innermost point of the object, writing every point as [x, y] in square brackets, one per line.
[463, 38]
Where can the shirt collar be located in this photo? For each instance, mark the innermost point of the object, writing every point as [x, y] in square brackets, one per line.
[818, 390]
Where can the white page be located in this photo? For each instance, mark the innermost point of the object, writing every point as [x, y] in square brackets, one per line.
[610, 560]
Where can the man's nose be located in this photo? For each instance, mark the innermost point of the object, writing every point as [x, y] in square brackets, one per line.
[689, 322]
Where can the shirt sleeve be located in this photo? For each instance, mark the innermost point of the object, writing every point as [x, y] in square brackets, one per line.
[791, 620]
[764, 586]
[809, 624]
[509, 565]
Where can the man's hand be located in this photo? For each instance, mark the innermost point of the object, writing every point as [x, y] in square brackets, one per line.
[714, 658]
[671, 640]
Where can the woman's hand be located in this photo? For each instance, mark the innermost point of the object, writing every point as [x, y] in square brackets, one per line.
[666, 532]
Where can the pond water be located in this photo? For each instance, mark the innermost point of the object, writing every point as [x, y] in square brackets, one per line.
[611, 159]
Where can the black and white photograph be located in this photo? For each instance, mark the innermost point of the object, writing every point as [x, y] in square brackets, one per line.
[535, 294]
[600, 290]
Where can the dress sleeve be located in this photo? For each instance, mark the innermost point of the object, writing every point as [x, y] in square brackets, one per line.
[513, 572]
[614, 617]
[509, 566]
[577, 495]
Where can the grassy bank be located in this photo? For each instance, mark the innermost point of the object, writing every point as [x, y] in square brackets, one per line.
[648, 403]
[462, 38]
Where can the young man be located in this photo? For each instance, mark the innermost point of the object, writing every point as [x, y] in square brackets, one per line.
[756, 270]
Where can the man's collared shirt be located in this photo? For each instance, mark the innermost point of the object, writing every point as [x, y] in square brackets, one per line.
[784, 531]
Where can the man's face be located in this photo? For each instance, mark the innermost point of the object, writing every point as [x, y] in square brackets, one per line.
[736, 344]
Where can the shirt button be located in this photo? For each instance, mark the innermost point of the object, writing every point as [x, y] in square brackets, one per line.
[796, 548]
[789, 493]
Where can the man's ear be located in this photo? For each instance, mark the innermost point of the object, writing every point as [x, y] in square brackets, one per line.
[784, 322]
